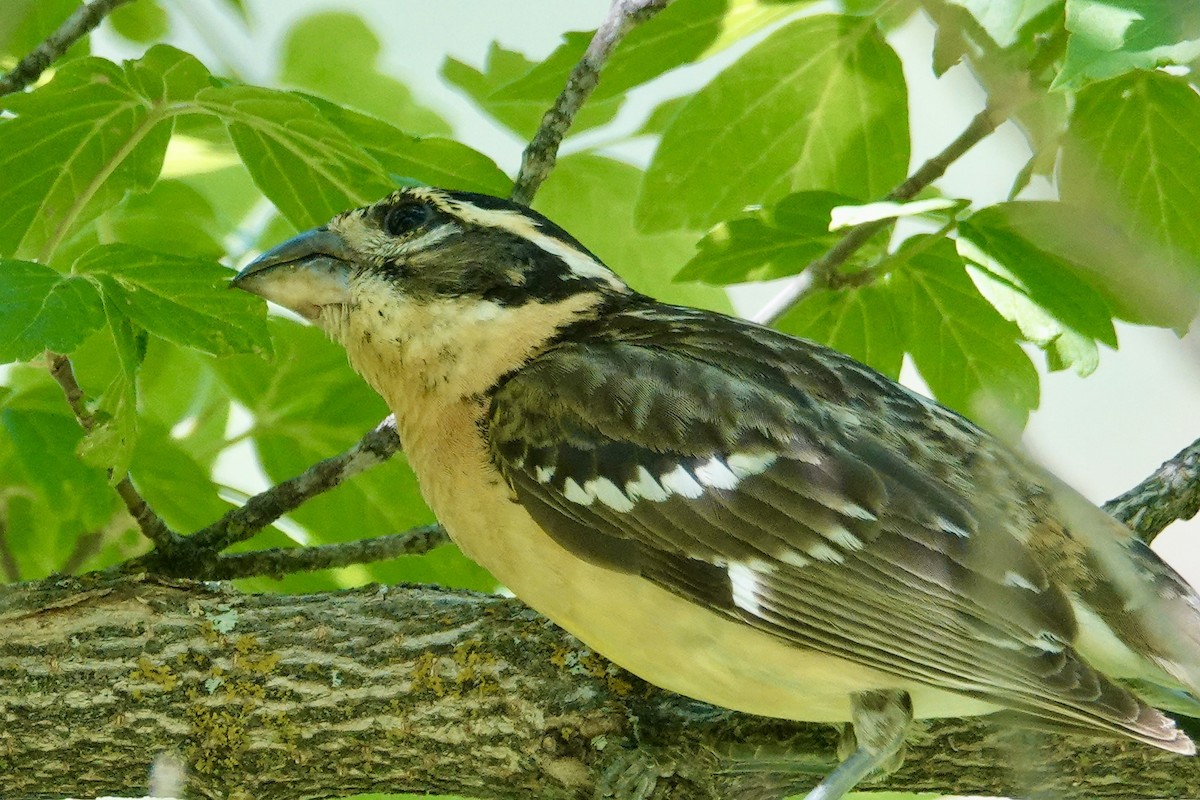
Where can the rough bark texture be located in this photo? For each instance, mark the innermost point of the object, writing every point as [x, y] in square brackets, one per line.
[419, 689]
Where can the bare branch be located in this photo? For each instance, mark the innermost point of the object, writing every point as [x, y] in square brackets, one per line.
[151, 525]
[823, 272]
[542, 152]
[281, 561]
[81, 22]
[261, 510]
[1171, 493]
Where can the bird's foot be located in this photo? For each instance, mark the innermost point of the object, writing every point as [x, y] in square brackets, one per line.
[876, 742]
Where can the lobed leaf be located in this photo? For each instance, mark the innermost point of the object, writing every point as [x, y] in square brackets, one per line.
[859, 321]
[1113, 37]
[965, 351]
[768, 243]
[819, 104]
[183, 300]
[41, 309]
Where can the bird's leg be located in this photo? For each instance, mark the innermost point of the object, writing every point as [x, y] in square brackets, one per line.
[881, 722]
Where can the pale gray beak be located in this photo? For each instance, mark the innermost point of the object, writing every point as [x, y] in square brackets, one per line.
[307, 272]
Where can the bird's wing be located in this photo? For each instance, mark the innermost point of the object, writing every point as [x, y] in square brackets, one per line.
[721, 480]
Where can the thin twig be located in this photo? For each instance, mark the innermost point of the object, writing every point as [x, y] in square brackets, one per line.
[151, 525]
[263, 509]
[1171, 493]
[281, 561]
[79, 24]
[542, 152]
[823, 271]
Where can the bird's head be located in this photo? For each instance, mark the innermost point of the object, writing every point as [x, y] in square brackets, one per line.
[437, 290]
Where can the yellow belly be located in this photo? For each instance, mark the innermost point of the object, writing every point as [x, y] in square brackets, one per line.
[654, 634]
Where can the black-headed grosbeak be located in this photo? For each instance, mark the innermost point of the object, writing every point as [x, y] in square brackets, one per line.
[731, 513]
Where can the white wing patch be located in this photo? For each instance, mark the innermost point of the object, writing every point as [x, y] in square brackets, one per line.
[714, 473]
[746, 464]
[607, 492]
[744, 585]
[644, 486]
[681, 482]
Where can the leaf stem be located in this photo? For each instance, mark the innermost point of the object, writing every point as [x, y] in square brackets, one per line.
[81, 22]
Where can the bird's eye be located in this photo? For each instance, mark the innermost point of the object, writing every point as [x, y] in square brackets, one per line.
[405, 218]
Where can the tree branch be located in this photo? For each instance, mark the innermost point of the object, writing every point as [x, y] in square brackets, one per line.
[81, 22]
[380, 443]
[426, 690]
[151, 525]
[823, 272]
[540, 156]
[1171, 493]
[280, 561]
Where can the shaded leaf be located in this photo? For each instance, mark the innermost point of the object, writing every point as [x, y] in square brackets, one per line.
[173, 483]
[41, 309]
[769, 243]
[142, 22]
[304, 165]
[860, 322]
[171, 218]
[183, 300]
[1003, 20]
[430, 160]
[965, 351]
[740, 140]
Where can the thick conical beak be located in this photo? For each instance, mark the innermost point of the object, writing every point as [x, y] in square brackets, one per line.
[307, 272]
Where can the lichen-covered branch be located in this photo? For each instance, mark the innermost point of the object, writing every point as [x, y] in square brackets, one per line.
[425, 690]
[1171, 493]
[81, 22]
[542, 152]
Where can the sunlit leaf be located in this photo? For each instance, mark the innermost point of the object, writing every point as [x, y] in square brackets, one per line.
[740, 140]
[1113, 37]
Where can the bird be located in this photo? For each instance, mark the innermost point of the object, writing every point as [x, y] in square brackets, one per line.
[734, 514]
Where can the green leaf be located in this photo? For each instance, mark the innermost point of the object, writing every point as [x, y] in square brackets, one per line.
[1130, 157]
[75, 146]
[521, 115]
[348, 71]
[683, 32]
[175, 485]
[41, 309]
[1049, 281]
[172, 218]
[661, 117]
[142, 22]
[110, 443]
[589, 196]
[740, 140]
[308, 168]
[1112, 37]
[183, 300]
[24, 24]
[769, 243]
[965, 351]
[1003, 20]
[860, 322]
[45, 443]
[431, 160]
[1079, 268]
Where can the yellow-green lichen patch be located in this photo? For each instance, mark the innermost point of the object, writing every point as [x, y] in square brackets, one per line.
[159, 674]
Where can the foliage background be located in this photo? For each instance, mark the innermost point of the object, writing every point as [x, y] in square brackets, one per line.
[113, 260]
